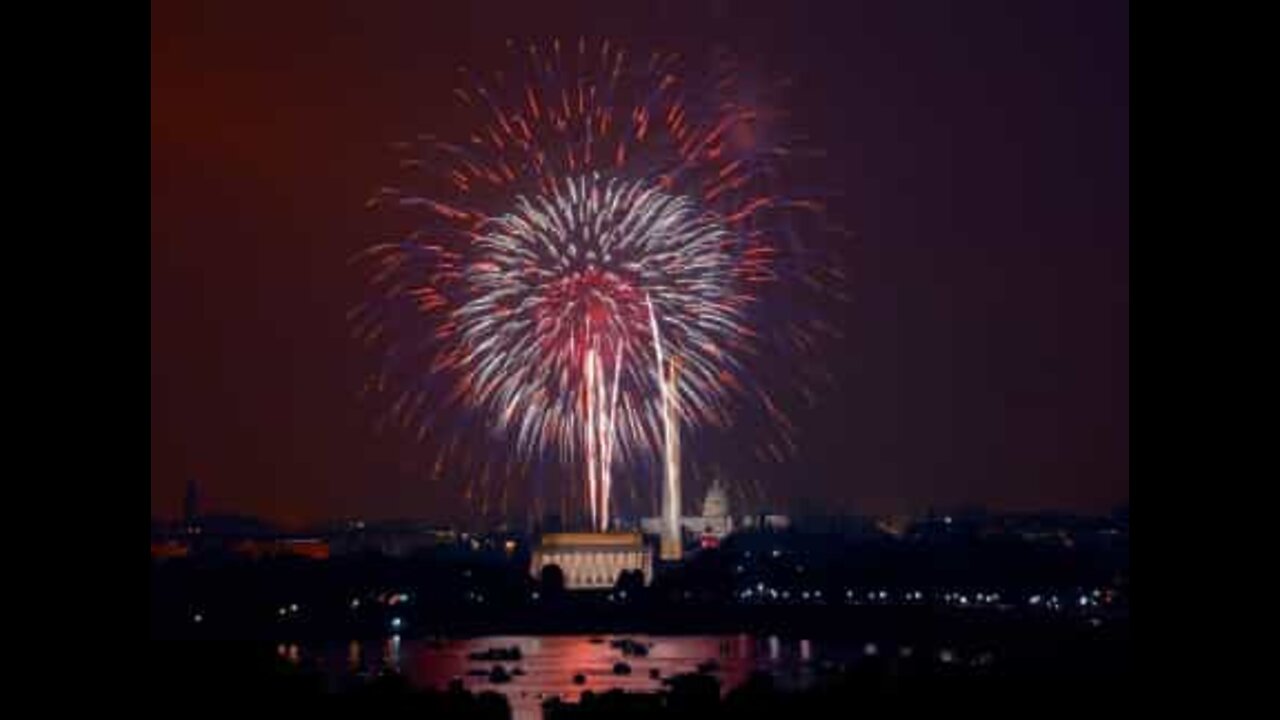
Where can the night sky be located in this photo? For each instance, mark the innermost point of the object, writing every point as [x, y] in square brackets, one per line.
[980, 150]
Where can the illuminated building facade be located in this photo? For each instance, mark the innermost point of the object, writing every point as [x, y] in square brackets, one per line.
[593, 561]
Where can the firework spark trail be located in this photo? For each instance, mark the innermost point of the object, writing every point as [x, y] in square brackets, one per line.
[610, 437]
[601, 411]
[602, 441]
[592, 439]
[592, 190]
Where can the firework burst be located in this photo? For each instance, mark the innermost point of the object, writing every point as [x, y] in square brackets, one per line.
[600, 208]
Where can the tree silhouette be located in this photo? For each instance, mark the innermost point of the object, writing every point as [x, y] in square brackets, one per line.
[552, 581]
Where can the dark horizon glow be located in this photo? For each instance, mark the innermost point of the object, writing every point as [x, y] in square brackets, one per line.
[981, 155]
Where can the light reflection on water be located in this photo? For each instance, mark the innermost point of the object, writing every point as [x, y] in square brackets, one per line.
[549, 663]
[353, 656]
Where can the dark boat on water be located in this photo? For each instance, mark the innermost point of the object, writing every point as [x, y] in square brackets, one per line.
[507, 654]
[630, 647]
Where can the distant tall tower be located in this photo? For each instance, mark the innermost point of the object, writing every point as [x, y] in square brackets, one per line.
[668, 376]
[191, 503]
[671, 546]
